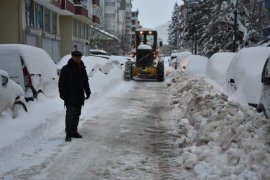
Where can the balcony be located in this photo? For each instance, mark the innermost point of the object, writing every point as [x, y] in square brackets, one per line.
[80, 8]
[68, 5]
[96, 19]
[57, 3]
[96, 2]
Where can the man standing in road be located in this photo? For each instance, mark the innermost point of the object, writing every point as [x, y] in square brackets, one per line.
[73, 86]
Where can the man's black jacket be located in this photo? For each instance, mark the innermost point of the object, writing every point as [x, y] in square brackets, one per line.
[73, 83]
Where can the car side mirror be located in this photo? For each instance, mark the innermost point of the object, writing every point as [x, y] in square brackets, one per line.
[4, 80]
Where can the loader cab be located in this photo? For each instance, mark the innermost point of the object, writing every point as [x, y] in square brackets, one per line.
[147, 37]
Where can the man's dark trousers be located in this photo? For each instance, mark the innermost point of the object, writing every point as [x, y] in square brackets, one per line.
[72, 119]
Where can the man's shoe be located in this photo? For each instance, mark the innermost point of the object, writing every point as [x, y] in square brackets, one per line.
[68, 138]
[77, 135]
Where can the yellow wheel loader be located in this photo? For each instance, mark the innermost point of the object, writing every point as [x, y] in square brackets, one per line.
[146, 64]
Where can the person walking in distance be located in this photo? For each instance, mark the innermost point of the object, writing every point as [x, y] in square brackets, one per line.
[73, 89]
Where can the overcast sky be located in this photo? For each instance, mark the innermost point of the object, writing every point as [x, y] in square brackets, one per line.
[153, 13]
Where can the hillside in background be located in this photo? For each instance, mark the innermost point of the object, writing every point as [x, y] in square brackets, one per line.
[163, 32]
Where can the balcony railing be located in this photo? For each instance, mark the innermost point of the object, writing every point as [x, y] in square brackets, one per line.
[95, 19]
[68, 5]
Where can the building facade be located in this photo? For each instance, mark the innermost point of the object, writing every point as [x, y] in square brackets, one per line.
[135, 23]
[57, 26]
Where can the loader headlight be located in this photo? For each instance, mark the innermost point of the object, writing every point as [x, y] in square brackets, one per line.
[150, 32]
[141, 32]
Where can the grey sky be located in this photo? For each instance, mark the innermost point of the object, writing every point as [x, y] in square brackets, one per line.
[153, 13]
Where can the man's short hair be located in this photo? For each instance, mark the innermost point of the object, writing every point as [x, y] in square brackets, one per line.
[76, 53]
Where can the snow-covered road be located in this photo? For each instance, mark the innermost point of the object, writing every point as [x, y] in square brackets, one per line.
[183, 128]
[127, 141]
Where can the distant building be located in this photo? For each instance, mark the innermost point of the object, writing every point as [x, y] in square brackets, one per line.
[135, 23]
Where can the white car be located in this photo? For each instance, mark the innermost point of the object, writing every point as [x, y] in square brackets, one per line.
[29, 66]
[244, 75]
[11, 95]
[264, 104]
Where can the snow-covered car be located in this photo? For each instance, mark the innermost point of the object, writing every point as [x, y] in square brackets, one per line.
[175, 58]
[194, 64]
[119, 60]
[11, 95]
[29, 66]
[264, 104]
[92, 64]
[97, 52]
[244, 74]
[217, 67]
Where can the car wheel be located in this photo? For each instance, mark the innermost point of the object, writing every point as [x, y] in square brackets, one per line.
[17, 107]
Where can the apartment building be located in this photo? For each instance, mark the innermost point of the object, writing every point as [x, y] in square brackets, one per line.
[57, 26]
[135, 23]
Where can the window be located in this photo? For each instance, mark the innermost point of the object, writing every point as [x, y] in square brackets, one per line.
[54, 23]
[29, 13]
[47, 18]
[38, 16]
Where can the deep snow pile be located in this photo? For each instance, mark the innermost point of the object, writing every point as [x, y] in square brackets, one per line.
[220, 139]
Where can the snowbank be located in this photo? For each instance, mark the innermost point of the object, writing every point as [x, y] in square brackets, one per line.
[218, 138]
[194, 64]
[245, 71]
[217, 67]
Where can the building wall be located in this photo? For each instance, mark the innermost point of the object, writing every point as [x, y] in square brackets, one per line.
[11, 16]
[66, 26]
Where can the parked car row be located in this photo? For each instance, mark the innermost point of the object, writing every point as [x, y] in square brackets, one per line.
[244, 75]
[29, 70]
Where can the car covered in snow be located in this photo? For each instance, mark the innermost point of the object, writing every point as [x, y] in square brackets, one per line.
[29, 66]
[92, 64]
[11, 95]
[244, 74]
[97, 52]
[175, 58]
[194, 64]
[264, 104]
[217, 67]
[120, 60]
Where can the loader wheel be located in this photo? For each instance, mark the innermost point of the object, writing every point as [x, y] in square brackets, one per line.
[160, 71]
[128, 71]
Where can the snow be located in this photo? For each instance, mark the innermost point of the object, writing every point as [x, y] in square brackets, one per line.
[37, 61]
[92, 64]
[217, 67]
[34, 136]
[145, 46]
[194, 64]
[205, 134]
[221, 139]
[9, 92]
[245, 69]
